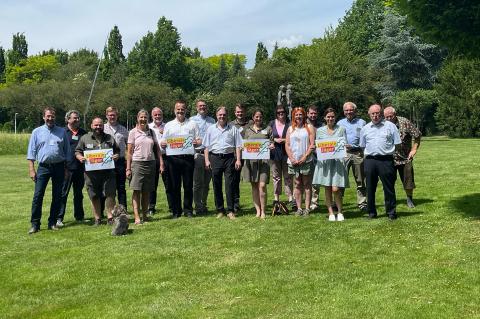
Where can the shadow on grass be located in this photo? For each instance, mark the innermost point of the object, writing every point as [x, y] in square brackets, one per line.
[468, 204]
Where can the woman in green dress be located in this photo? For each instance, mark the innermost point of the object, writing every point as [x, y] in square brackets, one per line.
[257, 172]
[331, 173]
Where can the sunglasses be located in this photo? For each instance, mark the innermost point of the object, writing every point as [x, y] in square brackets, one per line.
[281, 112]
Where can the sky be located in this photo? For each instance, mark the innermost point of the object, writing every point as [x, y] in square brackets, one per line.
[214, 26]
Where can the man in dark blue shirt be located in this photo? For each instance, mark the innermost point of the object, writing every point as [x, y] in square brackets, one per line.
[75, 176]
[49, 147]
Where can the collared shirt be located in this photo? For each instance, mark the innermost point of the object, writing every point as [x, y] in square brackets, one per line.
[89, 142]
[353, 129]
[120, 133]
[222, 140]
[380, 138]
[241, 125]
[158, 130]
[408, 133]
[203, 123]
[48, 145]
[143, 144]
[174, 127]
[74, 138]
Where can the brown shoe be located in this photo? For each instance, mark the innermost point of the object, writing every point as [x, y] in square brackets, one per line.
[220, 215]
[231, 215]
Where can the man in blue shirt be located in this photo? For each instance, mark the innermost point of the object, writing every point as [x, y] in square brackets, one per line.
[353, 125]
[379, 139]
[201, 175]
[49, 147]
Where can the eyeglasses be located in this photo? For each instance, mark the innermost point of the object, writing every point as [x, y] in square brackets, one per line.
[281, 112]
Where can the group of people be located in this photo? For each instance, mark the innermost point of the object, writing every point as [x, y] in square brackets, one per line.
[376, 150]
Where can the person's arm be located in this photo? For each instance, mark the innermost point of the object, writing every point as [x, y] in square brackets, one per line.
[416, 134]
[129, 154]
[207, 159]
[31, 170]
[311, 145]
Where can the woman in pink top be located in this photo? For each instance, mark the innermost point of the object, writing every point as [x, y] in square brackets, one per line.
[141, 152]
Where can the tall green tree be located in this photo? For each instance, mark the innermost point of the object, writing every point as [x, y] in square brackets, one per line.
[113, 58]
[222, 75]
[159, 56]
[362, 24]
[19, 49]
[2, 65]
[237, 67]
[261, 55]
[404, 58]
[60, 55]
[454, 24]
[34, 69]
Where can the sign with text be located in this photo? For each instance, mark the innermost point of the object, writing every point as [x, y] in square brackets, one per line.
[99, 160]
[180, 145]
[331, 148]
[256, 149]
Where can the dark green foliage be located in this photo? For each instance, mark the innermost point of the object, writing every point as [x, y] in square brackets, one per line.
[458, 90]
[361, 25]
[222, 75]
[159, 57]
[237, 67]
[454, 24]
[419, 106]
[261, 55]
[202, 75]
[19, 49]
[86, 56]
[113, 58]
[2, 65]
[406, 61]
[60, 55]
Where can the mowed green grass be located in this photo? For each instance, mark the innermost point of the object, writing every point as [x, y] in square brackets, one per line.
[423, 265]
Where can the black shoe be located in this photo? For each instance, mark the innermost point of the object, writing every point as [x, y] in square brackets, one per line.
[392, 216]
[34, 230]
[97, 222]
[53, 227]
[189, 215]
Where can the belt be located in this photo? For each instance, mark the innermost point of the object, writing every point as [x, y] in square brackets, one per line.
[182, 156]
[199, 151]
[380, 157]
[50, 164]
[228, 155]
[354, 150]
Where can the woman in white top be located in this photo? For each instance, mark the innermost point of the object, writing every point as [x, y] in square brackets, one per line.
[300, 143]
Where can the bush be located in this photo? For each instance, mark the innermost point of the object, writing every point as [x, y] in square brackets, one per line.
[419, 106]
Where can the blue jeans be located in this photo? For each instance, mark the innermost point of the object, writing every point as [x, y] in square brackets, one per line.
[44, 172]
[76, 180]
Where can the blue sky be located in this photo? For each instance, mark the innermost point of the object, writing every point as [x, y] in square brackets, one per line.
[230, 26]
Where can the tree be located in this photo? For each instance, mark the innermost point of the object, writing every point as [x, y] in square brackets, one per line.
[458, 90]
[450, 23]
[159, 56]
[2, 65]
[420, 106]
[19, 49]
[113, 56]
[222, 76]
[202, 75]
[362, 24]
[60, 55]
[406, 61]
[237, 67]
[34, 69]
[261, 55]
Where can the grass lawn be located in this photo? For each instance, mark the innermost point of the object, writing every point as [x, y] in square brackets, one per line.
[423, 265]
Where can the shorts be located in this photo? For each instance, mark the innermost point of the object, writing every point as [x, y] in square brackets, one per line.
[304, 169]
[101, 183]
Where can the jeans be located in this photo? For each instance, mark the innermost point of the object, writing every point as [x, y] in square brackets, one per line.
[44, 172]
[76, 179]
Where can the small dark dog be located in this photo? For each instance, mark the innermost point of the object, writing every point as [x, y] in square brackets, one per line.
[120, 220]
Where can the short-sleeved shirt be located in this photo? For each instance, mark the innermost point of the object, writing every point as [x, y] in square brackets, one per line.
[144, 144]
[174, 127]
[352, 128]
[203, 123]
[89, 142]
[408, 133]
[48, 145]
[158, 130]
[241, 125]
[380, 138]
[222, 140]
[120, 133]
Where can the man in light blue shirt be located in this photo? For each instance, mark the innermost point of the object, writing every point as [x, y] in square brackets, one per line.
[378, 139]
[201, 175]
[353, 125]
[50, 148]
[222, 155]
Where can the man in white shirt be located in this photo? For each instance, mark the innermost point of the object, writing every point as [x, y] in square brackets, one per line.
[180, 167]
[201, 175]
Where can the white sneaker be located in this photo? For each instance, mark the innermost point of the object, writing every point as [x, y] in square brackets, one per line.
[331, 218]
[340, 217]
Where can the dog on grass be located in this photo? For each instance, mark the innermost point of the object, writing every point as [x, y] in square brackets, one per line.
[120, 220]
